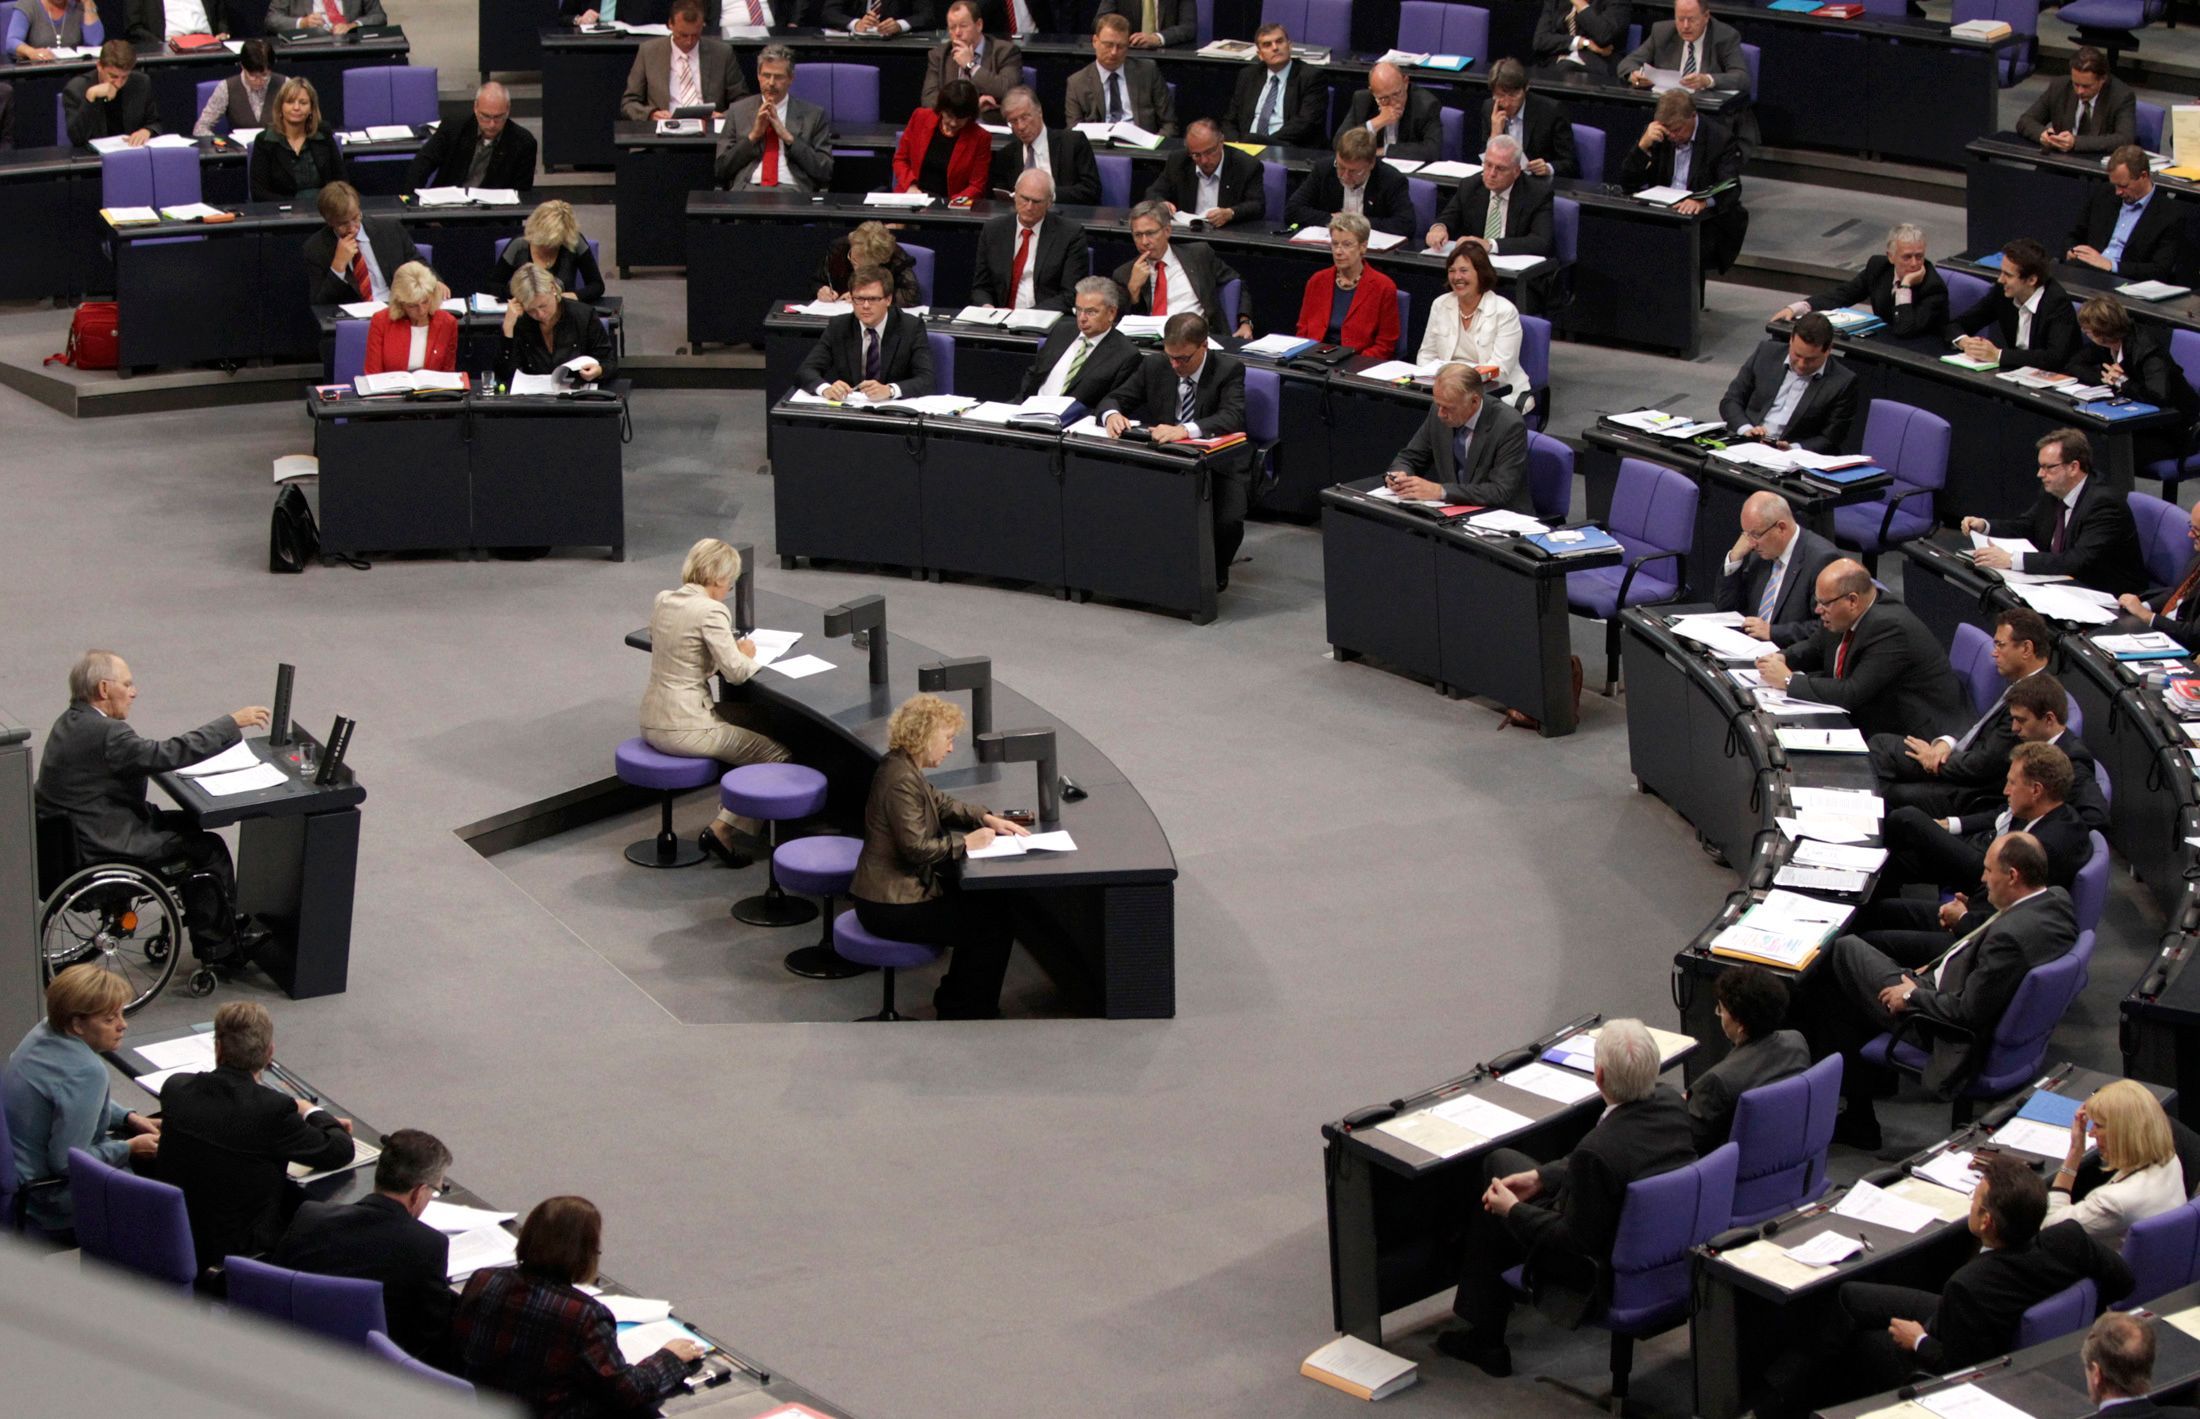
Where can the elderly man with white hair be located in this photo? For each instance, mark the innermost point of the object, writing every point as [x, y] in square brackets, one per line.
[1027, 259]
[1561, 1218]
[1901, 287]
[1500, 213]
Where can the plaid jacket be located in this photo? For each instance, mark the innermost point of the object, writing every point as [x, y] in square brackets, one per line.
[555, 1348]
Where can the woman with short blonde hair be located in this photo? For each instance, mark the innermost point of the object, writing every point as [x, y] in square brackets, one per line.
[56, 1095]
[544, 331]
[413, 332]
[552, 239]
[1351, 304]
[868, 245]
[2136, 1146]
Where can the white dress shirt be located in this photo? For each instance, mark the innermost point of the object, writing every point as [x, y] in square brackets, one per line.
[1024, 297]
[1183, 296]
[1210, 190]
[735, 23]
[186, 17]
[2070, 501]
[1039, 156]
[687, 77]
[1057, 378]
[1355, 199]
[1490, 337]
[2025, 312]
[375, 279]
[861, 329]
[1501, 204]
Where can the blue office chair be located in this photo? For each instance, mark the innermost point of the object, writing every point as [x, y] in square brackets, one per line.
[847, 92]
[943, 361]
[1589, 152]
[2067, 1312]
[1912, 445]
[2163, 544]
[925, 261]
[2109, 24]
[1231, 294]
[1783, 1130]
[1326, 22]
[1653, 518]
[1964, 290]
[132, 1223]
[1275, 189]
[2184, 348]
[342, 1308]
[1535, 367]
[389, 1350]
[349, 359]
[389, 93]
[1432, 27]
[1115, 180]
[1550, 476]
[2163, 1252]
[2089, 892]
[1423, 192]
[1031, 78]
[1565, 229]
[2151, 116]
[1205, 25]
[1971, 656]
[1263, 420]
[199, 97]
[1455, 134]
[1405, 325]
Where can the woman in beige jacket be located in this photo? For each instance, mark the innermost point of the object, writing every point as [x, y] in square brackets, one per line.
[691, 639]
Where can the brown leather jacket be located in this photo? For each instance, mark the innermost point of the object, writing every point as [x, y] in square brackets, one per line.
[911, 831]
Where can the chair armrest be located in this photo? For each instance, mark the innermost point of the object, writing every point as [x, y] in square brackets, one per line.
[1886, 524]
[1636, 565]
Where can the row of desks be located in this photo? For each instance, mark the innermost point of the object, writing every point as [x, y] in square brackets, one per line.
[2013, 188]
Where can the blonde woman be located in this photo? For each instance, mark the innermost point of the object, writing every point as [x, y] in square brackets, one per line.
[2145, 1179]
[413, 332]
[543, 330]
[868, 245]
[552, 239]
[57, 1097]
[915, 839]
[294, 157]
[691, 638]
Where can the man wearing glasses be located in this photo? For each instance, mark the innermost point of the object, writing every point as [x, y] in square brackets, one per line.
[1772, 570]
[1871, 658]
[2079, 527]
[874, 350]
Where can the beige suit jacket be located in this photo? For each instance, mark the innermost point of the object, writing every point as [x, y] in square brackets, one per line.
[691, 639]
[649, 82]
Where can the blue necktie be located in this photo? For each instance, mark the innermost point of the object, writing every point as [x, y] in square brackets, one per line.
[1115, 98]
[1267, 118]
[870, 353]
[1459, 443]
[1186, 388]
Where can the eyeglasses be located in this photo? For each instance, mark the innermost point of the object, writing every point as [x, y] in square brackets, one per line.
[1819, 605]
[2058, 463]
[1761, 533]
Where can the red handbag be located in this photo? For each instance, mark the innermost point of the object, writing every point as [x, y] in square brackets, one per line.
[93, 344]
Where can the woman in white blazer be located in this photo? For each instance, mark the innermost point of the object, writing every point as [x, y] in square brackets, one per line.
[2145, 1178]
[1475, 325]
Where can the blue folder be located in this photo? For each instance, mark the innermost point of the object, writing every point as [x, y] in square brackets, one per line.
[2055, 1109]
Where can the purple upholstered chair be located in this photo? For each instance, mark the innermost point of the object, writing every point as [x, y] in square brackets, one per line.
[847, 92]
[1783, 1130]
[199, 97]
[1274, 188]
[667, 775]
[391, 1351]
[2163, 1253]
[1971, 654]
[2022, 16]
[821, 866]
[132, 1222]
[389, 93]
[2150, 118]
[1589, 151]
[1115, 180]
[1653, 519]
[126, 178]
[1966, 290]
[1231, 296]
[1430, 27]
[1264, 418]
[1454, 121]
[2163, 543]
[2089, 894]
[347, 361]
[1550, 476]
[776, 793]
[2108, 24]
[345, 1308]
[869, 949]
[1312, 21]
[924, 262]
[1535, 366]
[943, 361]
[2067, 1311]
[1911, 445]
[1204, 27]
[2184, 348]
[1422, 192]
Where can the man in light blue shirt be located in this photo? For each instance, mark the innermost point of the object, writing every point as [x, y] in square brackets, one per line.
[2113, 232]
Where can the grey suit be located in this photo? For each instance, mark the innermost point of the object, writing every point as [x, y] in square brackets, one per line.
[1791, 620]
[285, 14]
[1000, 68]
[1145, 94]
[1711, 1099]
[1718, 53]
[649, 82]
[805, 160]
[1496, 475]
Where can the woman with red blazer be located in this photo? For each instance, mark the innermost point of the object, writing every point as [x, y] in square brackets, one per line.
[413, 332]
[943, 150]
[1352, 303]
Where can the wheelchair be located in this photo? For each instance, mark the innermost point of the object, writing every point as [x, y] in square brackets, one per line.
[124, 917]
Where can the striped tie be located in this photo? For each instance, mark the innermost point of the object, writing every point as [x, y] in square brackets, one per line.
[1770, 601]
[1076, 363]
[1185, 389]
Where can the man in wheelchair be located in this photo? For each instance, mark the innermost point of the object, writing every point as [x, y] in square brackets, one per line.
[94, 769]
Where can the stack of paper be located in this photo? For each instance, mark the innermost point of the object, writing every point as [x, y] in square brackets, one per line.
[1785, 929]
[638, 1343]
[1125, 134]
[1797, 739]
[1826, 1249]
[1844, 802]
[1450, 170]
[361, 1155]
[770, 645]
[1867, 1203]
[1839, 855]
[190, 1054]
[451, 1218]
[1503, 520]
[1647, 421]
[2080, 605]
[1277, 347]
[1662, 196]
[1563, 1085]
[1508, 263]
[481, 1248]
[1768, 1261]
[800, 667]
[1721, 634]
[913, 201]
[1951, 1170]
[2152, 290]
[1135, 327]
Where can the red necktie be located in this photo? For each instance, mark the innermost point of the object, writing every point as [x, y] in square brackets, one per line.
[2184, 590]
[1841, 657]
[767, 173]
[334, 10]
[1010, 6]
[1016, 272]
[1160, 290]
[361, 279]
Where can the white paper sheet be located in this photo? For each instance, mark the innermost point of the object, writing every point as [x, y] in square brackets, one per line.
[236, 756]
[1867, 1203]
[196, 1048]
[2029, 1135]
[1856, 859]
[453, 1217]
[1829, 827]
[1561, 1084]
[1968, 1401]
[1826, 1249]
[636, 1310]
[1848, 802]
[770, 645]
[801, 666]
[1483, 1117]
[480, 1248]
[252, 780]
[1951, 1170]
[640, 1342]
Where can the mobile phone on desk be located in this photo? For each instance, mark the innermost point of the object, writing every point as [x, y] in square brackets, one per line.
[1021, 817]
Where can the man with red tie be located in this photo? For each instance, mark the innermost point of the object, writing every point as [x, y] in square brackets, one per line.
[1172, 280]
[2175, 610]
[1872, 658]
[1026, 261]
[326, 16]
[772, 139]
[353, 257]
[2079, 527]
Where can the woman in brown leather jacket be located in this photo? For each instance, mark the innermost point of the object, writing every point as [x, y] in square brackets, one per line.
[914, 839]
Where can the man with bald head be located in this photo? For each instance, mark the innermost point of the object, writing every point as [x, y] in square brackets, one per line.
[1027, 259]
[485, 150]
[1405, 122]
[1217, 184]
[1771, 572]
[1870, 657]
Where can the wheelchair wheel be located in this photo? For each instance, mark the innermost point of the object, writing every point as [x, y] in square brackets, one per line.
[118, 917]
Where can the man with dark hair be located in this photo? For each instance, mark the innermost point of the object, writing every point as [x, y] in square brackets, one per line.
[875, 350]
[2034, 797]
[1169, 280]
[1870, 657]
[1537, 124]
[1771, 571]
[2173, 610]
[1792, 393]
[992, 66]
[2091, 111]
[2118, 1355]
[686, 69]
[1352, 180]
[1118, 87]
[1751, 1005]
[381, 1238]
[2122, 229]
[1191, 392]
[1954, 770]
[1280, 99]
[1696, 153]
[2029, 310]
[113, 101]
[2079, 527]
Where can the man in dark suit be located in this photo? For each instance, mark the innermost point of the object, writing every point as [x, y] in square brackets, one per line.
[1280, 99]
[1351, 180]
[1155, 23]
[2124, 229]
[1021, 18]
[1218, 185]
[1027, 260]
[1116, 87]
[2173, 610]
[1064, 152]
[1771, 572]
[1086, 360]
[885, 18]
[1956, 770]
[1792, 393]
[1405, 122]
[773, 139]
[1950, 853]
[2030, 313]
[2080, 527]
[1191, 392]
[381, 1238]
[148, 21]
[2118, 1355]
[993, 66]
[1167, 279]
[686, 69]
[113, 101]
[486, 150]
[1562, 1218]
[1680, 148]
[227, 1140]
[875, 350]
[1901, 287]
[1501, 213]
[1537, 124]
[1870, 657]
[352, 257]
[2091, 111]
[1470, 449]
[1587, 33]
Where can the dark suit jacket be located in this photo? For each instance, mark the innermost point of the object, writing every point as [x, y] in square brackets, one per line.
[1496, 474]
[148, 21]
[444, 159]
[1179, 18]
[2149, 372]
[2063, 836]
[1711, 1099]
[575, 268]
[1299, 118]
[1546, 133]
[1792, 618]
[94, 769]
[1981, 978]
[1113, 360]
[1925, 315]
[1149, 394]
[904, 355]
[1528, 220]
[1568, 1229]
[1823, 415]
[1240, 185]
[649, 82]
[226, 1139]
[1717, 158]
[393, 247]
[1898, 680]
[2100, 544]
[1718, 53]
[1209, 273]
[1605, 22]
[1320, 196]
[916, 14]
[1059, 259]
[1983, 1302]
[1145, 93]
[273, 177]
[578, 332]
[2155, 251]
[2115, 119]
[376, 1239]
[128, 111]
[2184, 626]
[1000, 68]
[996, 15]
[1069, 158]
[2055, 336]
[1420, 134]
[1983, 764]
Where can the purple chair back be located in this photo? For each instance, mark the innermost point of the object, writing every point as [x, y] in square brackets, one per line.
[349, 359]
[175, 176]
[1752, 60]
[389, 1350]
[1405, 324]
[1965, 290]
[1274, 187]
[2067, 1311]
[2150, 125]
[1031, 78]
[2089, 894]
[1455, 133]
[1972, 655]
[1565, 228]
[1312, 21]
[1433, 27]
[126, 178]
[1663, 1218]
[2162, 541]
[1115, 179]
[943, 362]
[1205, 22]
[1783, 1130]
[204, 92]
[1550, 476]
[1912, 445]
[925, 262]
[1423, 192]
[1232, 295]
[2019, 1046]
[1535, 364]
[2163, 1253]
[340, 1307]
[1263, 404]
[389, 93]
[1589, 151]
[131, 1222]
[1653, 510]
[847, 92]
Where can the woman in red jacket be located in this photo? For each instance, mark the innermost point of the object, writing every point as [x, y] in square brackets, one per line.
[943, 150]
[1351, 303]
[413, 332]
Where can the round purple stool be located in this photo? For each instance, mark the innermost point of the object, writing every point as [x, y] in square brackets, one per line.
[864, 948]
[776, 793]
[821, 866]
[669, 775]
